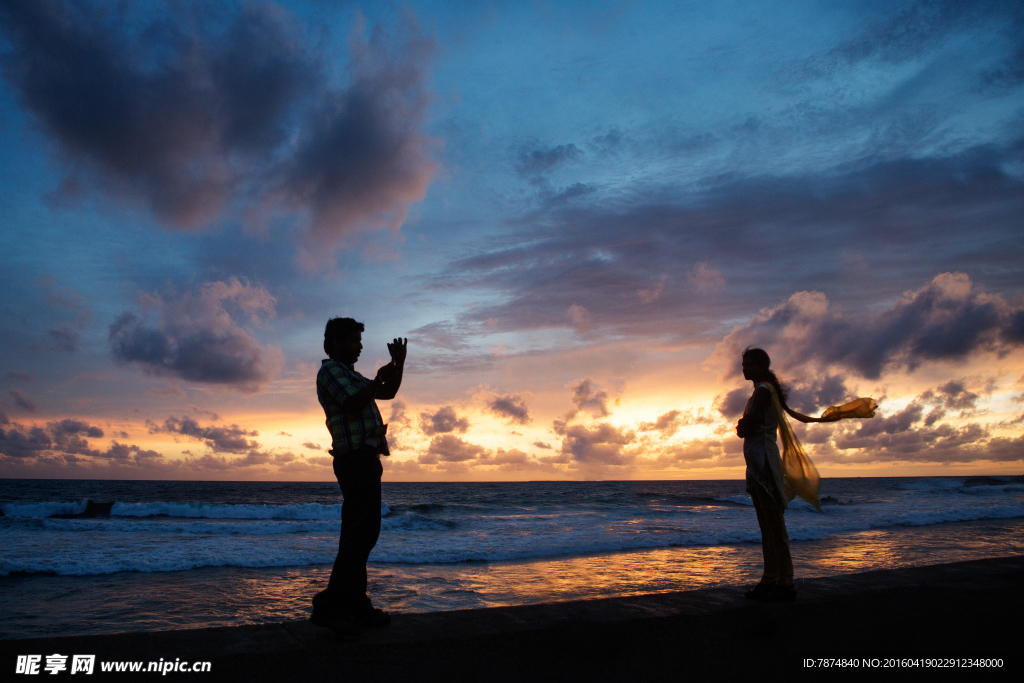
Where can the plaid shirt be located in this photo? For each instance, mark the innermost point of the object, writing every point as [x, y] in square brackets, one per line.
[335, 384]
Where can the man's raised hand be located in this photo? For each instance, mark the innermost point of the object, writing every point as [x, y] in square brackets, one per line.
[386, 373]
[397, 349]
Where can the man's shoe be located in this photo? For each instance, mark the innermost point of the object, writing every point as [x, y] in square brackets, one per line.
[373, 618]
[780, 593]
[320, 618]
[760, 590]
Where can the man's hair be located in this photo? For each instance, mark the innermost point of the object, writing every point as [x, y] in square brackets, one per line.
[339, 328]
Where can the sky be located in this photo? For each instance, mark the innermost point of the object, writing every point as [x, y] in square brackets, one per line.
[578, 213]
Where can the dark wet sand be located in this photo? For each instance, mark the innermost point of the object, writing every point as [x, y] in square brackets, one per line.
[962, 610]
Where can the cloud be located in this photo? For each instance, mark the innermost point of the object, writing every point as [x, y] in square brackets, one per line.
[906, 34]
[254, 458]
[442, 335]
[128, 454]
[22, 400]
[815, 392]
[209, 462]
[172, 111]
[68, 438]
[650, 294]
[585, 398]
[22, 442]
[900, 440]
[196, 337]
[443, 421]
[602, 444]
[706, 452]
[398, 413]
[448, 448]
[947, 319]
[765, 235]
[205, 413]
[312, 446]
[734, 402]
[955, 396]
[669, 423]
[59, 450]
[706, 278]
[361, 158]
[534, 160]
[73, 427]
[512, 460]
[1003, 449]
[915, 433]
[64, 338]
[311, 465]
[510, 406]
[579, 318]
[191, 108]
[231, 439]
[893, 424]
[62, 298]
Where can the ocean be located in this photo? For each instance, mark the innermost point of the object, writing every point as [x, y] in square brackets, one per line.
[84, 557]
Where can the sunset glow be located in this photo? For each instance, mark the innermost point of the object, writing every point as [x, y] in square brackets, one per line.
[579, 215]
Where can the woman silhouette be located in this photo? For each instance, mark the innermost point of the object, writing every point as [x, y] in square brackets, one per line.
[774, 478]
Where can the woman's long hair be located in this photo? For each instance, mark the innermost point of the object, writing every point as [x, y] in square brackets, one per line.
[760, 357]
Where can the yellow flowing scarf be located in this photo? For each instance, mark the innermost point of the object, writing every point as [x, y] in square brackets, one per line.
[800, 476]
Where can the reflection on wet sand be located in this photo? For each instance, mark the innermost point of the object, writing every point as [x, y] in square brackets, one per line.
[442, 587]
[422, 588]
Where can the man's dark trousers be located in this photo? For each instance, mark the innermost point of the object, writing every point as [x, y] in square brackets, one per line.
[359, 472]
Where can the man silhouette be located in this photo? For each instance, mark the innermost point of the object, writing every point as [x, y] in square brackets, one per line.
[358, 436]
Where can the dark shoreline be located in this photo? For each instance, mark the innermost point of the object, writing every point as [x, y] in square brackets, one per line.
[960, 610]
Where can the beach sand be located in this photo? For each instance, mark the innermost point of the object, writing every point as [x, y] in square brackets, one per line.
[964, 610]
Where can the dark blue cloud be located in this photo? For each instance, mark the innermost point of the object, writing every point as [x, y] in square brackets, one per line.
[733, 403]
[533, 160]
[602, 444]
[227, 439]
[362, 158]
[448, 448]
[947, 319]
[443, 421]
[196, 336]
[511, 407]
[189, 108]
[22, 400]
[68, 439]
[170, 109]
[860, 234]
